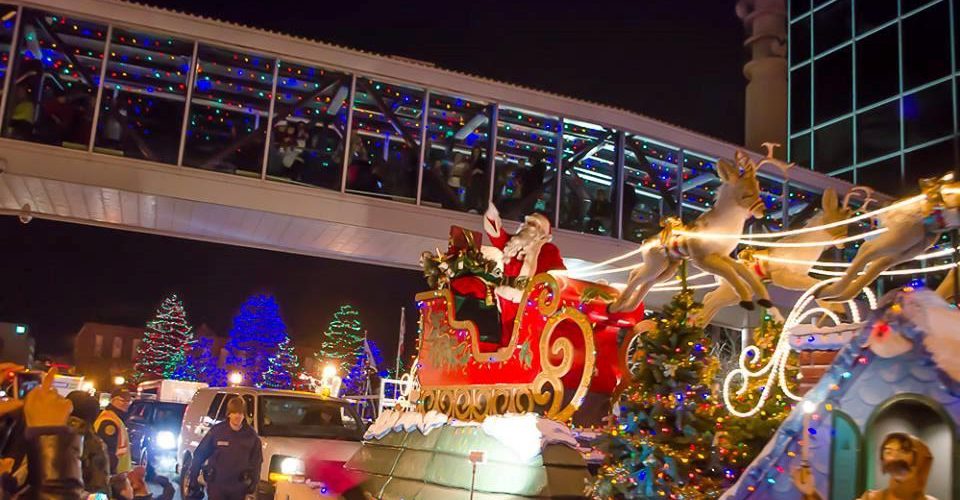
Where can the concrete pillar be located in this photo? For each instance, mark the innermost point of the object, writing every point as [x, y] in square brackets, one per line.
[766, 72]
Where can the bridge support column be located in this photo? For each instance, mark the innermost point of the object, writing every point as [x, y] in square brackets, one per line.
[766, 73]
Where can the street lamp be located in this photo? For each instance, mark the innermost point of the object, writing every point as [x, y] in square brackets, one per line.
[235, 378]
[329, 381]
[119, 380]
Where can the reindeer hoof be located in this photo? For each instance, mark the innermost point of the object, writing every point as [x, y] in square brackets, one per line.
[746, 304]
[765, 303]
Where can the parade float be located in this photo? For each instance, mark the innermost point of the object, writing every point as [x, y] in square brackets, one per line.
[516, 355]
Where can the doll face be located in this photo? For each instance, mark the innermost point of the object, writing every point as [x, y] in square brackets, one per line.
[898, 458]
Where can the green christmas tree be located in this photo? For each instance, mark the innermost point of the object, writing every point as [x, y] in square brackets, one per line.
[670, 438]
[283, 368]
[167, 337]
[343, 340]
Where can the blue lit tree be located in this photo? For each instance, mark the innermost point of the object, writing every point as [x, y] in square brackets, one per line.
[204, 362]
[363, 367]
[257, 333]
[283, 368]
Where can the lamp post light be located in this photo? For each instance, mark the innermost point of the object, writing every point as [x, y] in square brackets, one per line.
[235, 378]
[119, 380]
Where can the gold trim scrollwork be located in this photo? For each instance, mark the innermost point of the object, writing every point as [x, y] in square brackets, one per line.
[546, 392]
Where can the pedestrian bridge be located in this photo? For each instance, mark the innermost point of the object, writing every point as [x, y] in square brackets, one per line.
[131, 117]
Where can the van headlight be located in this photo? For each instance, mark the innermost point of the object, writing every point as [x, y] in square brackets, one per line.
[166, 440]
[284, 468]
[291, 466]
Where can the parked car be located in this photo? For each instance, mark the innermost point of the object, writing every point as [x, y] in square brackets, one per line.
[154, 428]
[291, 424]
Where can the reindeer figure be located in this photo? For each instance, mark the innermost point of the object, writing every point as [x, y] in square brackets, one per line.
[912, 228]
[737, 199]
[789, 275]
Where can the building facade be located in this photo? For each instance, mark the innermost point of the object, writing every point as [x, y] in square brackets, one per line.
[102, 351]
[16, 344]
[873, 89]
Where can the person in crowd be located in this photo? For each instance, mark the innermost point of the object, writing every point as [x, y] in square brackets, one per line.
[94, 461]
[230, 455]
[133, 486]
[52, 465]
[476, 181]
[601, 213]
[110, 428]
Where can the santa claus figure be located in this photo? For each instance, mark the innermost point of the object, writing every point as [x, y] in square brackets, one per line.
[525, 254]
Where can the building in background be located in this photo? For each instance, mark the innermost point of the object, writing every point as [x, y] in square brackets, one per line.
[102, 351]
[16, 344]
[873, 89]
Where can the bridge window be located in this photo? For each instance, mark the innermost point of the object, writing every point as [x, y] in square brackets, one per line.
[642, 202]
[310, 126]
[385, 140]
[651, 169]
[526, 163]
[700, 184]
[228, 111]
[8, 18]
[456, 165]
[144, 96]
[589, 178]
[54, 84]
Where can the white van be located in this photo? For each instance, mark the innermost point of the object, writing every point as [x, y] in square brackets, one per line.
[292, 425]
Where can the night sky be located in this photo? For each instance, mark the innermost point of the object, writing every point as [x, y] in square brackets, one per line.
[676, 60]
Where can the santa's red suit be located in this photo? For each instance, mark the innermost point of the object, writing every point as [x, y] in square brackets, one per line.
[534, 257]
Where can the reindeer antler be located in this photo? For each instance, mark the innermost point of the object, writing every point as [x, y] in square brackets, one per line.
[867, 196]
[744, 162]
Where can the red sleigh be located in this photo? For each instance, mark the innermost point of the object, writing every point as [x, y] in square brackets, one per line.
[561, 344]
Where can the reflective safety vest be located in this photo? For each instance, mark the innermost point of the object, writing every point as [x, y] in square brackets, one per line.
[124, 460]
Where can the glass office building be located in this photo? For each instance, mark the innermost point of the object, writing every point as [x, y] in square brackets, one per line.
[873, 89]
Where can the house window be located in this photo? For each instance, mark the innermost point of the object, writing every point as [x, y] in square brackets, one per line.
[117, 347]
[134, 348]
[98, 345]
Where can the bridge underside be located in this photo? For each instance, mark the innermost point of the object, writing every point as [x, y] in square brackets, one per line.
[120, 193]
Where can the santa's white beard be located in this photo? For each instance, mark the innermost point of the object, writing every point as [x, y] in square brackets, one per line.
[517, 246]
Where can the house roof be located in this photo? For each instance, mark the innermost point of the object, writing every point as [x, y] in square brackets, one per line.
[907, 346]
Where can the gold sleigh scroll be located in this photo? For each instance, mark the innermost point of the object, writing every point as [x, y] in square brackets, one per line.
[546, 392]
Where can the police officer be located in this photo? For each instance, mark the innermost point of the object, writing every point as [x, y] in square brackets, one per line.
[233, 456]
[111, 429]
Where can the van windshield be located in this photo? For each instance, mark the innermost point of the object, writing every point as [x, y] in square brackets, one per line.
[292, 416]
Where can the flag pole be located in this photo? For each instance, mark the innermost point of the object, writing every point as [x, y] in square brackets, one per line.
[403, 326]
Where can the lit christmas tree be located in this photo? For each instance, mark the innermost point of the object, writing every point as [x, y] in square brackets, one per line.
[205, 361]
[670, 439]
[182, 367]
[283, 368]
[166, 336]
[343, 341]
[355, 381]
[257, 332]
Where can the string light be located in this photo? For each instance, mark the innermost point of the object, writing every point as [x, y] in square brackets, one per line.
[909, 201]
[775, 369]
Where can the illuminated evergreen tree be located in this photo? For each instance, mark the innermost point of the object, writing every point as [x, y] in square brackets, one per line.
[168, 335]
[343, 340]
[283, 368]
[669, 441]
[205, 361]
[258, 330]
[182, 366]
